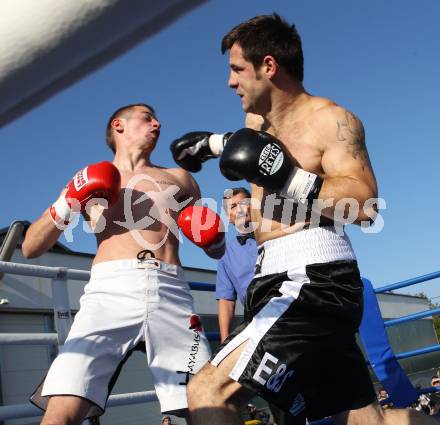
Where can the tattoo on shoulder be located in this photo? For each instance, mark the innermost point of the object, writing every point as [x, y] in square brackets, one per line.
[351, 131]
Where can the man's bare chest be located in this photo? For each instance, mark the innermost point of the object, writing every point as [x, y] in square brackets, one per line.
[303, 145]
[152, 194]
[164, 184]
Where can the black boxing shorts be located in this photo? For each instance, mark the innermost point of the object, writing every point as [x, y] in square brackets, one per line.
[302, 312]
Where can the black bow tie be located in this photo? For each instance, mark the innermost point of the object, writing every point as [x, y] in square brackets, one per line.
[243, 238]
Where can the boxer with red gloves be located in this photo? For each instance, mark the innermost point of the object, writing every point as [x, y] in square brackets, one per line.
[136, 290]
[203, 226]
[94, 182]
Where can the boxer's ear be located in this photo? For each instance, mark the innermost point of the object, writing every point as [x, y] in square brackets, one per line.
[118, 125]
[269, 66]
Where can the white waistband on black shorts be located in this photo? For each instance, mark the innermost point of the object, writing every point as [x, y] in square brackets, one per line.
[130, 264]
[316, 245]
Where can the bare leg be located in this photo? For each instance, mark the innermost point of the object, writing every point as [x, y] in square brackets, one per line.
[65, 410]
[213, 397]
[375, 415]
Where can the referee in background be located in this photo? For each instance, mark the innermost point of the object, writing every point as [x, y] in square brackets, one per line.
[235, 270]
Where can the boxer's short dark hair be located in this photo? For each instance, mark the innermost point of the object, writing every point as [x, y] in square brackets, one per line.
[118, 113]
[268, 35]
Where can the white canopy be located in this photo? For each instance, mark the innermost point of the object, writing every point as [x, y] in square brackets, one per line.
[47, 45]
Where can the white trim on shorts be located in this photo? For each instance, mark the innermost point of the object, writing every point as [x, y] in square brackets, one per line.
[147, 264]
[310, 246]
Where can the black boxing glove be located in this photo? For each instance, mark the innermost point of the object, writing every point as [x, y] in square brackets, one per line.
[192, 149]
[260, 158]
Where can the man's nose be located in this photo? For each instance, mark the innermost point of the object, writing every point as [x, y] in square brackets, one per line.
[232, 81]
[156, 123]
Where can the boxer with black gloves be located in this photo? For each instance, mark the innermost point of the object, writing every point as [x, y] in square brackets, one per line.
[304, 305]
[196, 147]
[136, 289]
[260, 158]
[255, 156]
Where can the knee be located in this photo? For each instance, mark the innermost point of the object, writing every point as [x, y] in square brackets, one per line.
[59, 412]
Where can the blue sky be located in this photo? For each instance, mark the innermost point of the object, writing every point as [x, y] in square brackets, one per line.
[379, 59]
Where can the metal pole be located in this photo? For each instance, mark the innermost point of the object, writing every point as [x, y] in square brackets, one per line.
[27, 410]
[408, 282]
[411, 317]
[413, 353]
[10, 242]
[28, 338]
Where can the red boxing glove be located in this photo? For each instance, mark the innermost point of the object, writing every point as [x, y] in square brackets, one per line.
[100, 180]
[202, 226]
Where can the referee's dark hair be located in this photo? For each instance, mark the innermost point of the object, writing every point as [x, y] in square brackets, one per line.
[229, 193]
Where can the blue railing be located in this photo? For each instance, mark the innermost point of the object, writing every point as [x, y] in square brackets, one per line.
[199, 286]
[409, 282]
[411, 317]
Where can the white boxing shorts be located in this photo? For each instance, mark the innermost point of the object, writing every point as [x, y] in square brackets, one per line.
[125, 302]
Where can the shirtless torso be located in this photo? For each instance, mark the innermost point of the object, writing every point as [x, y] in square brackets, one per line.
[151, 197]
[324, 139]
[145, 216]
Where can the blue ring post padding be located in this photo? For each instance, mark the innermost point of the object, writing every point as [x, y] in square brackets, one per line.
[379, 353]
